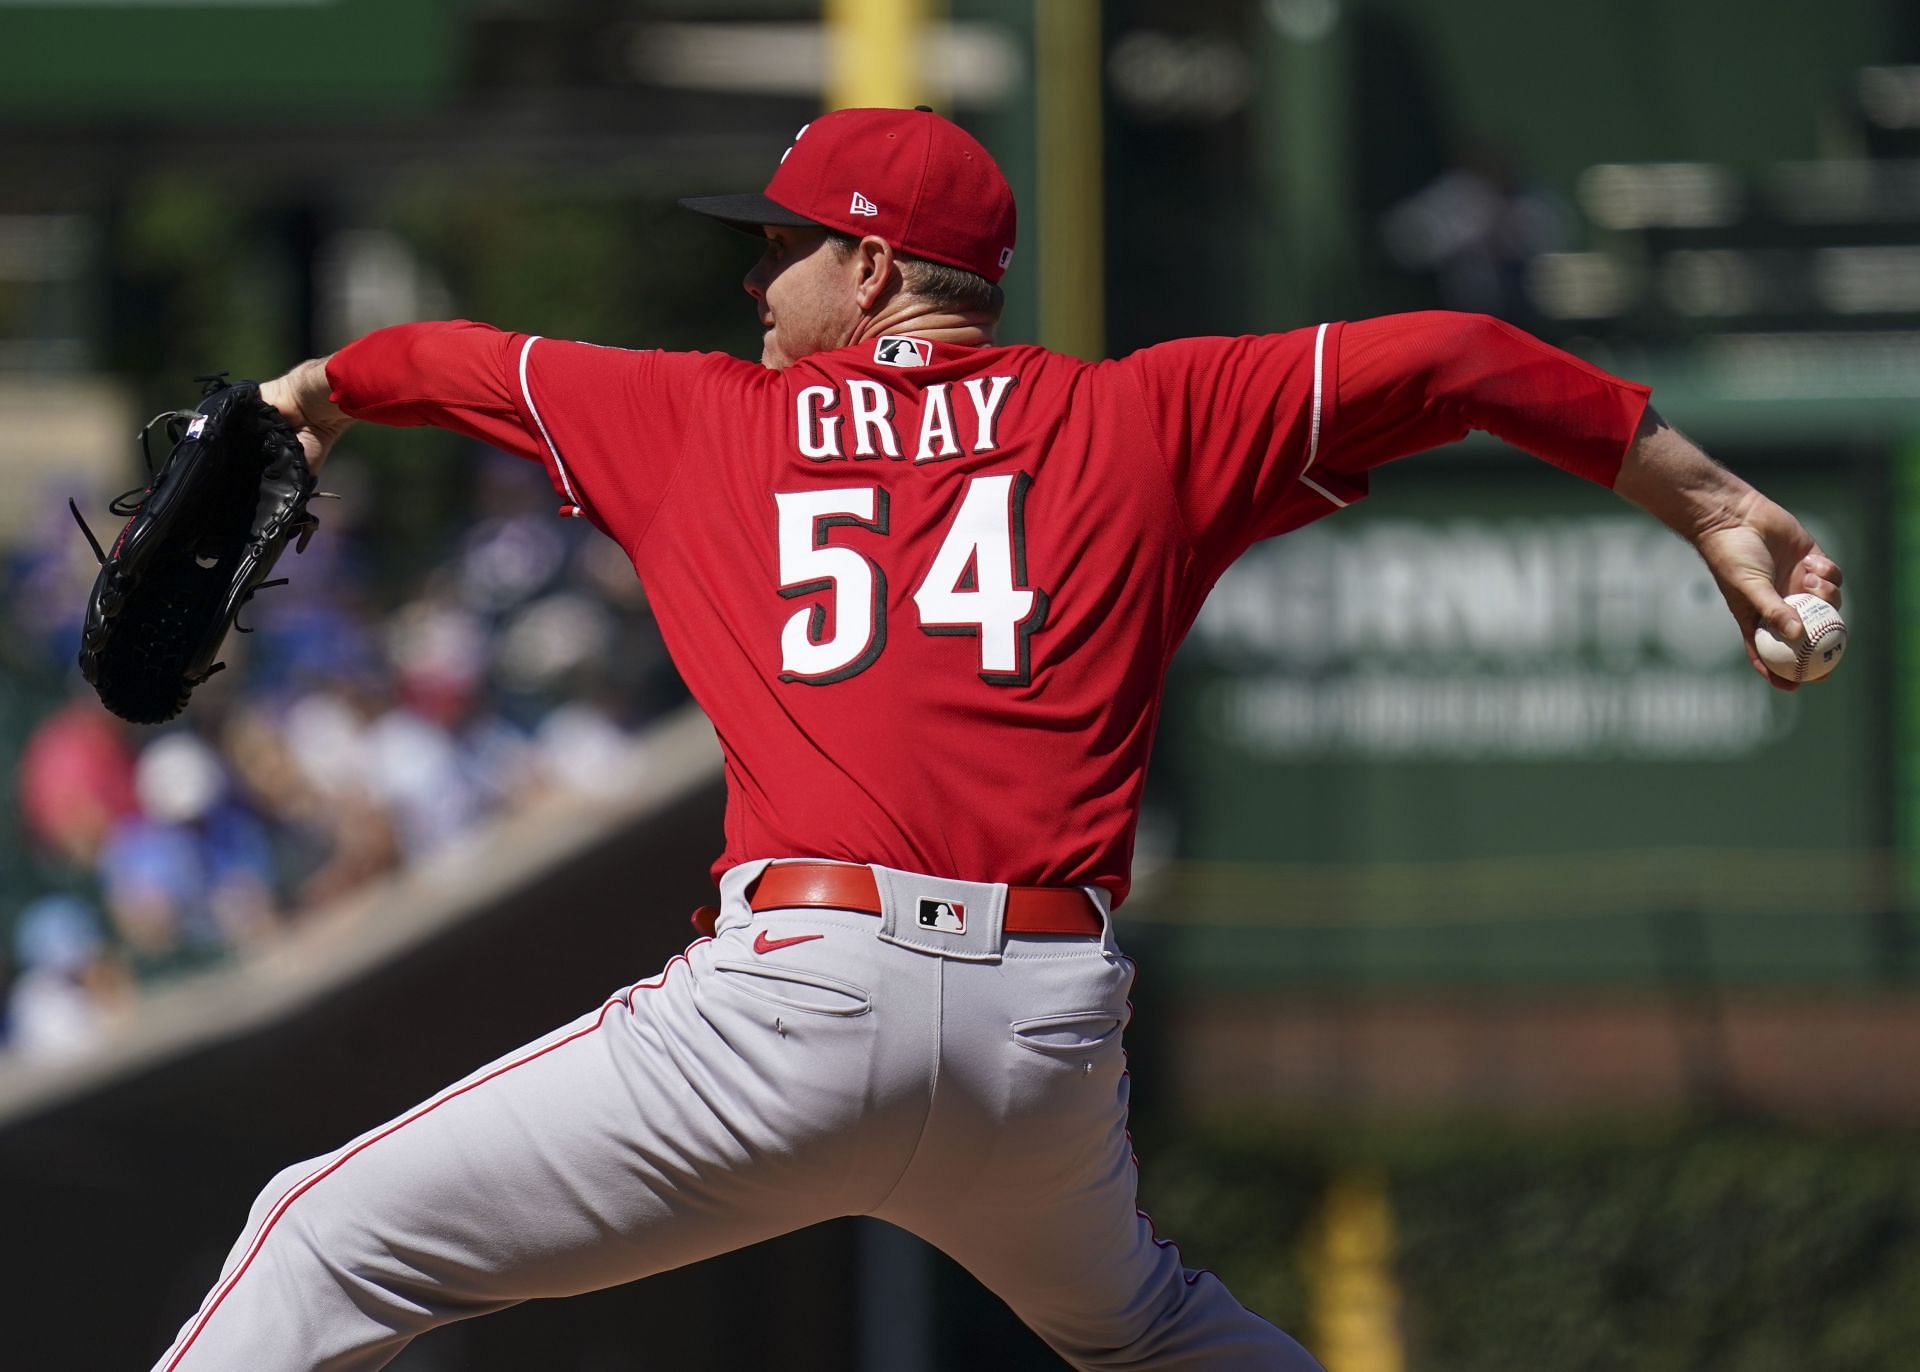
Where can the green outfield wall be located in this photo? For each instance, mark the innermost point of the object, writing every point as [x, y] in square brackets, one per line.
[1493, 723]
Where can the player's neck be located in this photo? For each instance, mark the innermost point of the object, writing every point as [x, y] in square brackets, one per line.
[911, 318]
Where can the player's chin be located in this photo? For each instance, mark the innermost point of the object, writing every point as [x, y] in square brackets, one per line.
[771, 353]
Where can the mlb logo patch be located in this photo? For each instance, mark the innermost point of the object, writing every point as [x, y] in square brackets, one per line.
[196, 426]
[948, 916]
[902, 352]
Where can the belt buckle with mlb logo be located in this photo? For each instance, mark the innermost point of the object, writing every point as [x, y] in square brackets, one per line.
[947, 916]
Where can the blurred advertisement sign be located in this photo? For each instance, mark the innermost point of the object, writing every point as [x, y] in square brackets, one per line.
[1480, 636]
[133, 55]
[1478, 662]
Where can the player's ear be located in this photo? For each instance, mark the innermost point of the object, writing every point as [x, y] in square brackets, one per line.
[877, 274]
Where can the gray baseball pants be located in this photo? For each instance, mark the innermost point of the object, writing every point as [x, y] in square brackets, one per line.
[969, 1089]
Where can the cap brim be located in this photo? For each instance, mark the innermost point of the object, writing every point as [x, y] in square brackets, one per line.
[748, 213]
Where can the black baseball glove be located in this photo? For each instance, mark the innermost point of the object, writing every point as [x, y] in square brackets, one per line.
[199, 541]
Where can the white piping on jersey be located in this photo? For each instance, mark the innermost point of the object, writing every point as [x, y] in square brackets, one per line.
[1306, 481]
[1313, 434]
[575, 510]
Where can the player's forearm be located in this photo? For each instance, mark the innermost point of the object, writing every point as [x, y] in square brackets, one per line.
[1666, 474]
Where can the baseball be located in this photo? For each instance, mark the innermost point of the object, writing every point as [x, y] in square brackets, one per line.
[1814, 655]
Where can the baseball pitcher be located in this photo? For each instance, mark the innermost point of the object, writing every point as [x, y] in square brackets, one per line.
[927, 587]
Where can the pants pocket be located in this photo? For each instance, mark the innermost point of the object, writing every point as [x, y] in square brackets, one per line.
[1068, 1035]
[792, 988]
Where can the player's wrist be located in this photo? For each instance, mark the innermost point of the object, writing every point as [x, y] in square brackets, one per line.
[1726, 505]
[304, 397]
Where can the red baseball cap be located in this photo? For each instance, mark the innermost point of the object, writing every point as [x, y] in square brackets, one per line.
[921, 182]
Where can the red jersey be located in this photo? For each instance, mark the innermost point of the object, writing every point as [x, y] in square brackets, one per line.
[928, 593]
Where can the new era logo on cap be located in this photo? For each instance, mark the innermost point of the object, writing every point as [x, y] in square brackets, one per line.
[902, 352]
[948, 916]
[862, 205]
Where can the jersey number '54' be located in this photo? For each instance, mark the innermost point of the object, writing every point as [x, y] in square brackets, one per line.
[976, 585]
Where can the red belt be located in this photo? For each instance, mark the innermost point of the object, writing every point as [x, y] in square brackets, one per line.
[842, 886]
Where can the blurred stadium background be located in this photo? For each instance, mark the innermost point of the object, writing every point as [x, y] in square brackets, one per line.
[1525, 986]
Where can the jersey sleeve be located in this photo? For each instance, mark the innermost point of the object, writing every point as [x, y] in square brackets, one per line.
[1409, 382]
[1263, 434]
[1236, 421]
[607, 424]
[616, 425]
[450, 374]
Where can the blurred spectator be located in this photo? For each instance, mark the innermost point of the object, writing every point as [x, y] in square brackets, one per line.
[442, 652]
[50, 574]
[70, 988]
[562, 648]
[324, 848]
[515, 549]
[638, 668]
[183, 785]
[76, 781]
[365, 747]
[190, 878]
[439, 651]
[311, 638]
[552, 639]
[584, 750]
[1474, 228]
[419, 775]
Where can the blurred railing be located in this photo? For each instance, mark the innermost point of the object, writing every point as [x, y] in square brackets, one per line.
[1619, 918]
